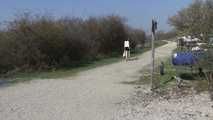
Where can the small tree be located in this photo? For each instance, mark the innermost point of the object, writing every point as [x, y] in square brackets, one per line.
[207, 65]
[195, 19]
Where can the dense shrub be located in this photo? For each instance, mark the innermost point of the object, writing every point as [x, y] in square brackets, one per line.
[42, 42]
[136, 37]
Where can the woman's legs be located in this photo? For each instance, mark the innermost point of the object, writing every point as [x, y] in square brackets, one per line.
[126, 54]
[129, 53]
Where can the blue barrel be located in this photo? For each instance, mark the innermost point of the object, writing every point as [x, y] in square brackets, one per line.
[184, 58]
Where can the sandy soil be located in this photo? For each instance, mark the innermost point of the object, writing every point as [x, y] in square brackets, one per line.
[98, 94]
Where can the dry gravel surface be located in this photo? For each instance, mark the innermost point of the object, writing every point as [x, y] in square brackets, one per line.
[98, 94]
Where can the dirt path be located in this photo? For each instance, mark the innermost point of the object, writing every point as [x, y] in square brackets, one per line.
[91, 95]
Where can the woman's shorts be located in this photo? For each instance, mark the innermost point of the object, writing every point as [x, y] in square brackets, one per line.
[127, 48]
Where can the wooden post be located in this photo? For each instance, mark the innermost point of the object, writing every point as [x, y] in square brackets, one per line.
[154, 28]
[152, 60]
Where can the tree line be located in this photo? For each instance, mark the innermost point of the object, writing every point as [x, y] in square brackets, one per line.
[38, 42]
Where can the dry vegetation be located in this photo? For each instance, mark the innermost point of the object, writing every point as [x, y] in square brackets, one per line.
[36, 42]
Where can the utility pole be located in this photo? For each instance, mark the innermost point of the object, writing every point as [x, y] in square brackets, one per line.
[154, 28]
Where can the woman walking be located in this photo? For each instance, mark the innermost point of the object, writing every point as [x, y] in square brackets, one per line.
[126, 53]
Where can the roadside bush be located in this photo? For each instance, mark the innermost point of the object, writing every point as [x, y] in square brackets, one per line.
[43, 42]
[137, 37]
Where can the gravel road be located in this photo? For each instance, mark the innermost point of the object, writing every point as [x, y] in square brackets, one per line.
[95, 94]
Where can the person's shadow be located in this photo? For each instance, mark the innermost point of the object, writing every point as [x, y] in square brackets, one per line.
[132, 58]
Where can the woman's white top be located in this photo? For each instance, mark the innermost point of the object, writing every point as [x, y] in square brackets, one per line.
[126, 43]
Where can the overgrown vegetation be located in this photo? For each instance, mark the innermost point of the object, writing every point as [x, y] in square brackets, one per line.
[35, 42]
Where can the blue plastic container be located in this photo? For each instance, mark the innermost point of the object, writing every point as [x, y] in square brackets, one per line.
[184, 58]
